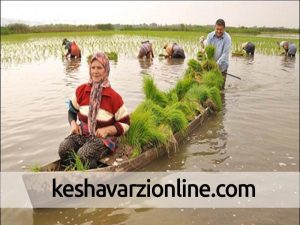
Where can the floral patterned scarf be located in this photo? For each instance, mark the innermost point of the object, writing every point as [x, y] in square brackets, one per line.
[97, 87]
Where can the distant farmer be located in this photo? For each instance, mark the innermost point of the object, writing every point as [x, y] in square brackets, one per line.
[289, 48]
[73, 49]
[173, 50]
[249, 48]
[222, 42]
[146, 50]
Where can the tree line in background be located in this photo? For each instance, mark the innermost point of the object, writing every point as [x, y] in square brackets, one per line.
[19, 28]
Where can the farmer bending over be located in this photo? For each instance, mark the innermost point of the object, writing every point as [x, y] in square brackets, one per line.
[289, 48]
[249, 48]
[174, 51]
[73, 49]
[146, 50]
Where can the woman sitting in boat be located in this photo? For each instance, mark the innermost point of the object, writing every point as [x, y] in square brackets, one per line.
[102, 115]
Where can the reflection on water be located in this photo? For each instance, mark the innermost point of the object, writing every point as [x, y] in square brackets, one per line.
[174, 61]
[203, 150]
[71, 65]
[145, 63]
[149, 216]
[79, 216]
[288, 62]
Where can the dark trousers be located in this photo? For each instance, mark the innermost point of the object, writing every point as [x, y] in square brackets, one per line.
[90, 150]
[224, 74]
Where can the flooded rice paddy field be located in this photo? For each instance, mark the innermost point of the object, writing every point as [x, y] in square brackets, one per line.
[257, 130]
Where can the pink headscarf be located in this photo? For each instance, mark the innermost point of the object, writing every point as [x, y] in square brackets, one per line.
[96, 92]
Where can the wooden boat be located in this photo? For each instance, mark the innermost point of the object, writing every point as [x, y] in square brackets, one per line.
[113, 163]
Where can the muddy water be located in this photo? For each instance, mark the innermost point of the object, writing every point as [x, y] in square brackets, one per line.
[257, 130]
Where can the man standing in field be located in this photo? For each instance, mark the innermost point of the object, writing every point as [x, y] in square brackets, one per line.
[222, 42]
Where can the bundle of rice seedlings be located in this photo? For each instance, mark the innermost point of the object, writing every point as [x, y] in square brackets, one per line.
[238, 52]
[210, 51]
[201, 56]
[209, 64]
[175, 119]
[135, 152]
[153, 93]
[144, 132]
[171, 140]
[195, 65]
[149, 106]
[172, 96]
[215, 96]
[76, 163]
[35, 168]
[189, 110]
[213, 78]
[198, 93]
[183, 86]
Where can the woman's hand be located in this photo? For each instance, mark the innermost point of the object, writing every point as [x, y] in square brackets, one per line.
[103, 132]
[75, 128]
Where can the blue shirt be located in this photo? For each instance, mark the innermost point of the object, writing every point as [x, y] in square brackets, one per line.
[222, 46]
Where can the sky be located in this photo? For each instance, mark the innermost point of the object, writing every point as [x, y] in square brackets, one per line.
[235, 13]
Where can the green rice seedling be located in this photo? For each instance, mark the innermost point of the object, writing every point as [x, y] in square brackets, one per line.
[112, 56]
[215, 96]
[238, 52]
[197, 93]
[153, 93]
[188, 109]
[209, 64]
[201, 56]
[149, 106]
[183, 86]
[76, 163]
[35, 168]
[166, 129]
[213, 78]
[135, 152]
[189, 73]
[143, 131]
[175, 119]
[210, 51]
[172, 96]
[195, 65]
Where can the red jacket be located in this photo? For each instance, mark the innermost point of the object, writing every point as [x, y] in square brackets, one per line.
[112, 109]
